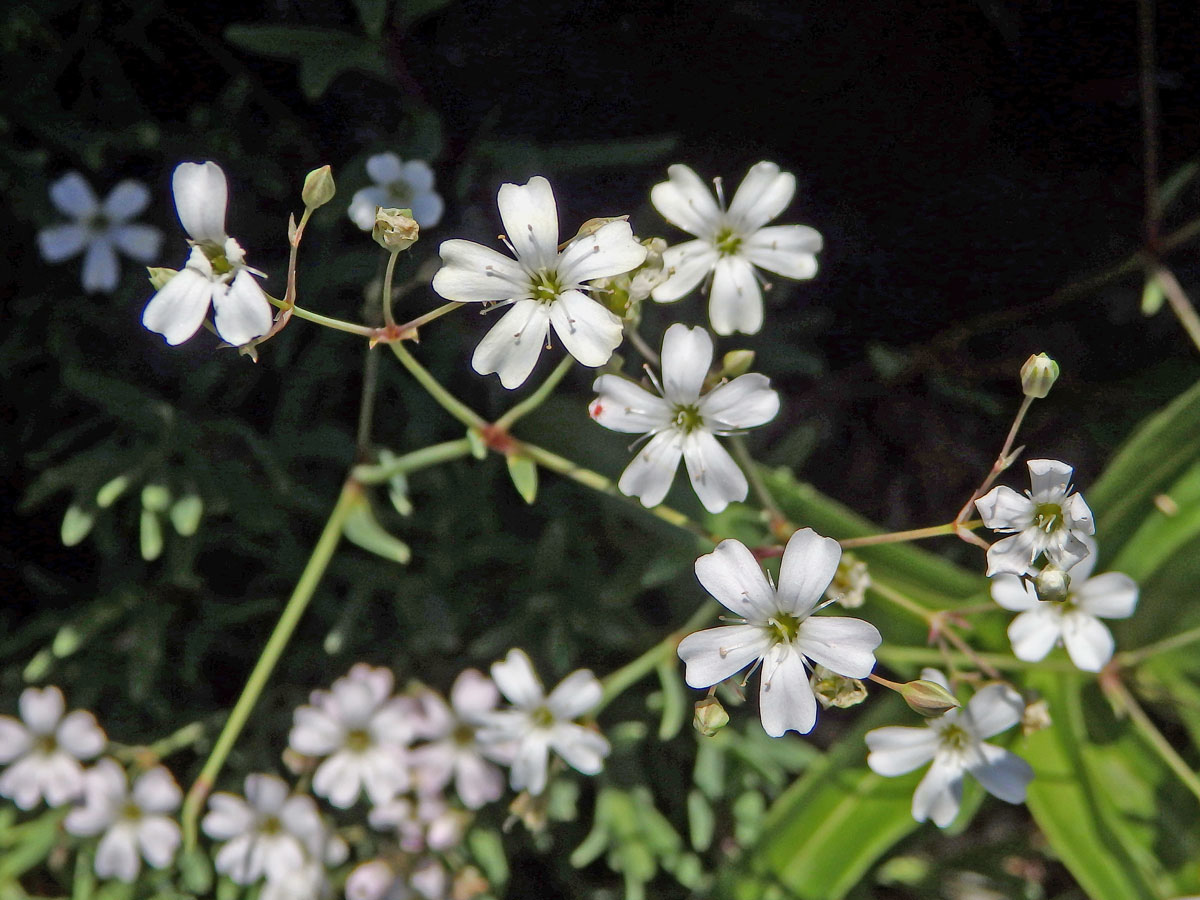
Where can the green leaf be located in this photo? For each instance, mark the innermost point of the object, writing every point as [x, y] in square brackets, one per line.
[76, 525]
[150, 536]
[29, 844]
[364, 530]
[323, 53]
[701, 821]
[372, 14]
[523, 472]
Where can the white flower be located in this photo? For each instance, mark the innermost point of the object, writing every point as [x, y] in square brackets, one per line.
[543, 286]
[306, 882]
[398, 185]
[426, 822]
[215, 274]
[682, 423]
[100, 229]
[523, 736]
[777, 628]
[730, 243]
[363, 731]
[1073, 622]
[44, 749]
[271, 832]
[1049, 519]
[955, 744]
[135, 824]
[452, 751]
[378, 880]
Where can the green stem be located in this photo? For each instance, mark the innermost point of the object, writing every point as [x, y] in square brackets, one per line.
[411, 462]
[915, 534]
[388, 321]
[336, 324]
[538, 397]
[1129, 658]
[296, 605]
[444, 398]
[598, 482]
[615, 683]
[905, 603]
[414, 324]
[755, 478]
[1180, 304]
[921, 656]
[1153, 736]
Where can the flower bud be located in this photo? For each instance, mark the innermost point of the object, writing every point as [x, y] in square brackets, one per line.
[832, 689]
[710, 716]
[155, 497]
[736, 362]
[395, 229]
[591, 226]
[160, 275]
[1038, 375]
[928, 698]
[111, 490]
[1036, 717]
[1052, 583]
[318, 188]
[850, 582]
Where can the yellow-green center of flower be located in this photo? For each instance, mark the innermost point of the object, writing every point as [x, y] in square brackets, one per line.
[46, 744]
[270, 825]
[1048, 517]
[463, 735]
[687, 418]
[217, 259]
[358, 741]
[400, 192]
[542, 717]
[727, 242]
[955, 737]
[131, 812]
[784, 627]
[544, 286]
[98, 223]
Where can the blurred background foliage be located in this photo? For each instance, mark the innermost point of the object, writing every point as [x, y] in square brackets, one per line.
[964, 161]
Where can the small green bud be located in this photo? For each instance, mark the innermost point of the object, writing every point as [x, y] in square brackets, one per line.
[832, 689]
[318, 188]
[156, 498]
[928, 698]
[185, 514]
[76, 524]
[710, 716]
[736, 362]
[159, 276]
[395, 229]
[1052, 583]
[111, 491]
[150, 536]
[1038, 375]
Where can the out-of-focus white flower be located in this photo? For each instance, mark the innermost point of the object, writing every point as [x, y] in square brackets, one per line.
[99, 230]
[215, 274]
[43, 750]
[136, 824]
[272, 832]
[379, 880]
[363, 731]
[955, 744]
[452, 751]
[398, 185]
[730, 243]
[1049, 519]
[543, 286]
[308, 882]
[425, 822]
[777, 628]
[683, 423]
[523, 736]
[1074, 621]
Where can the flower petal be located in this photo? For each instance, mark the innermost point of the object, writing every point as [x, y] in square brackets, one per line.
[159, 838]
[608, 251]
[117, 854]
[266, 793]
[528, 770]
[688, 263]
[716, 477]
[624, 406]
[73, 196]
[15, 739]
[41, 708]
[583, 749]
[993, 709]
[686, 356]
[939, 794]
[745, 402]
[575, 695]
[242, 312]
[339, 780]
[1088, 641]
[686, 202]
[735, 302]
[101, 271]
[1002, 773]
[364, 204]
[384, 168]
[60, 242]
[785, 698]
[787, 250]
[427, 209]
[1003, 509]
[517, 681]
[1113, 595]
[512, 347]
[897, 749]
[473, 273]
[1049, 479]
[764, 193]
[1014, 593]
[1013, 555]
[79, 735]
[842, 645]
[530, 218]
[809, 563]
[201, 195]
[1035, 632]
[588, 331]
[712, 655]
[178, 309]
[735, 579]
[126, 200]
[651, 471]
[417, 174]
[138, 242]
[156, 791]
[473, 693]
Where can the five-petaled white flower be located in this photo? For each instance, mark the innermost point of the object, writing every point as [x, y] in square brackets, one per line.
[100, 229]
[523, 736]
[682, 423]
[544, 287]
[777, 628]
[1049, 519]
[452, 750]
[363, 731]
[271, 832]
[215, 274]
[44, 749]
[398, 185]
[955, 744]
[136, 824]
[730, 243]
[1073, 621]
